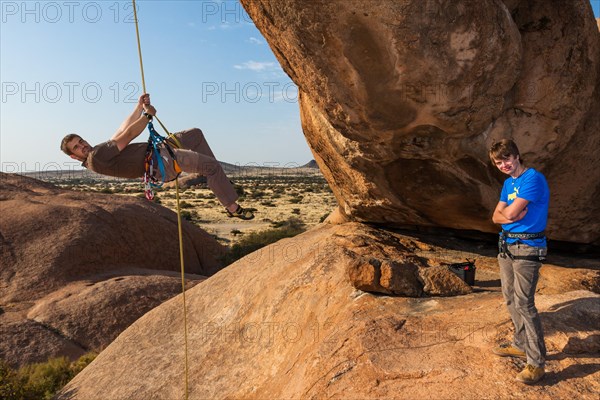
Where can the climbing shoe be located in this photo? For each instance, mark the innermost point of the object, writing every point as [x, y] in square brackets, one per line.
[531, 374]
[241, 213]
[507, 350]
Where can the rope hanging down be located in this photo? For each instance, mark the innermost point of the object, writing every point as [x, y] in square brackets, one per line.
[154, 140]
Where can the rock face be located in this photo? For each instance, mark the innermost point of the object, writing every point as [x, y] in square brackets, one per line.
[378, 261]
[401, 99]
[439, 281]
[285, 322]
[51, 237]
[93, 314]
[187, 181]
[78, 268]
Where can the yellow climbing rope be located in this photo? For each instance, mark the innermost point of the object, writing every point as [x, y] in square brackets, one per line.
[181, 260]
[137, 33]
[139, 43]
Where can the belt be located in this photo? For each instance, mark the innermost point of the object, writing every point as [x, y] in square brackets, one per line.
[523, 235]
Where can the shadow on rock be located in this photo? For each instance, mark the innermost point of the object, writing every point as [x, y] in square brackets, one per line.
[573, 316]
[571, 372]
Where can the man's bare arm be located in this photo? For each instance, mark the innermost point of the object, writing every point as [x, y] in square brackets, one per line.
[505, 214]
[131, 132]
[517, 210]
[135, 114]
[137, 125]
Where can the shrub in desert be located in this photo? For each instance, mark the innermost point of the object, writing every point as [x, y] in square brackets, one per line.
[185, 204]
[253, 241]
[40, 380]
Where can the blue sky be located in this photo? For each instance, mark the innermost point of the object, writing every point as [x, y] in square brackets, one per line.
[73, 67]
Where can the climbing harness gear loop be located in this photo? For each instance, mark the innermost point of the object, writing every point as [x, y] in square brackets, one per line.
[503, 245]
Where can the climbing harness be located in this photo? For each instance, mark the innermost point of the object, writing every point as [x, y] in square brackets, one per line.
[505, 252]
[152, 160]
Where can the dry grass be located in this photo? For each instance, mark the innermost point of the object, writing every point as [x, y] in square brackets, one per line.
[275, 198]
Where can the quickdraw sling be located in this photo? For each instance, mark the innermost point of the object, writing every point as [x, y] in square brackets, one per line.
[153, 160]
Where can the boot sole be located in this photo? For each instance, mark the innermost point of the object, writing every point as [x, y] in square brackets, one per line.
[530, 382]
[524, 357]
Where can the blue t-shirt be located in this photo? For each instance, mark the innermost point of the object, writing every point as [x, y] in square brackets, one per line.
[532, 186]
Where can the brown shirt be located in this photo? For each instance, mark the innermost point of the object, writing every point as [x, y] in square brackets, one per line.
[106, 159]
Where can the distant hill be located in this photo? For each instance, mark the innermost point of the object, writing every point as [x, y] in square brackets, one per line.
[231, 170]
[250, 169]
[311, 164]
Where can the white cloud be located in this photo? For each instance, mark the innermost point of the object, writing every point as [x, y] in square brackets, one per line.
[257, 66]
[254, 40]
[191, 24]
[226, 25]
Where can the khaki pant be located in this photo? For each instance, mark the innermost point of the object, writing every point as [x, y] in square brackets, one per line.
[519, 279]
[195, 156]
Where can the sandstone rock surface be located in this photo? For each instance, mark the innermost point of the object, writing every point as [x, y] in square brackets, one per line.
[92, 314]
[379, 261]
[439, 281]
[401, 99]
[187, 181]
[286, 322]
[25, 341]
[78, 268]
[52, 236]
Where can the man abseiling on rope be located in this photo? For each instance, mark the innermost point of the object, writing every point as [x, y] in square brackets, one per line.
[120, 158]
[523, 213]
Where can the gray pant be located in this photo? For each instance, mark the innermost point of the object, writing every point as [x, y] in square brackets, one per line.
[196, 156]
[519, 279]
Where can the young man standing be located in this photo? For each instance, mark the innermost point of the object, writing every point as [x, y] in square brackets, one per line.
[120, 158]
[523, 212]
